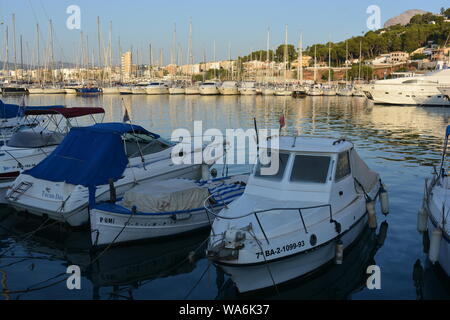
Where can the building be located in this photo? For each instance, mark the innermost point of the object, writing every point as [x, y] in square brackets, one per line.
[126, 62]
[440, 54]
[397, 57]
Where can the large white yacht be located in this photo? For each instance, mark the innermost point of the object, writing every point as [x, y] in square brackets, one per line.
[414, 90]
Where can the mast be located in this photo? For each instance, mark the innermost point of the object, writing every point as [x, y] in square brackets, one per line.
[51, 50]
[360, 54]
[285, 53]
[315, 63]
[6, 63]
[301, 58]
[190, 55]
[110, 53]
[268, 54]
[14, 43]
[346, 61]
[329, 62]
[38, 51]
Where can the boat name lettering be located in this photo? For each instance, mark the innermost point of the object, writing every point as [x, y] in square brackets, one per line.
[107, 220]
[280, 250]
[53, 196]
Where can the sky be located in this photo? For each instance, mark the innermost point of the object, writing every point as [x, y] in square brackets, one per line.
[239, 24]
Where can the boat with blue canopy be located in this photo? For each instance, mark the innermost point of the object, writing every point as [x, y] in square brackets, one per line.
[42, 131]
[88, 158]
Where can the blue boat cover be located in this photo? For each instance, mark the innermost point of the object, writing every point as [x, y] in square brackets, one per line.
[88, 156]
[8, 111]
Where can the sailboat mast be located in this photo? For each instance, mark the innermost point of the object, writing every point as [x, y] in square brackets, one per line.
[301, 59]
[14, 43]
[329, 62]
[285, 53]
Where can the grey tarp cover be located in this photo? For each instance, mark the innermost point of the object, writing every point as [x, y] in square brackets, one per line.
[362, 173]
[166, 196]
[35, 139]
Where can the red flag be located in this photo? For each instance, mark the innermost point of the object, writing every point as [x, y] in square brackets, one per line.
[282, 121]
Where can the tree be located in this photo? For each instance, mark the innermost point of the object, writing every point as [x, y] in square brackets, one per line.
[291, 53]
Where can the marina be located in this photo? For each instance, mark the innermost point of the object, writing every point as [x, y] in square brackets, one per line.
[214, 157]
[393, 141]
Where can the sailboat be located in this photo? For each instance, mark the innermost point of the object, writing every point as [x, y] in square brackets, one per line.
[285, 90]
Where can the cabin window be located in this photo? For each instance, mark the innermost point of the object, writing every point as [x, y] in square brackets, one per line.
[283, 160]
[142, 144]
[312, 169]
[343, 166]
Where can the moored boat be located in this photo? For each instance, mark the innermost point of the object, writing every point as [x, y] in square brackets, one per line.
[58, 186]
[289, 224]
[433, 217]
[161, 209]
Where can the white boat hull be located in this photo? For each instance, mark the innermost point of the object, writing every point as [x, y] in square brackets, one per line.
[137, 90]
[177, 91]
[108, 227]
[229, 91]
[208, 91]
[192, 91]
[157, 91]
[69, 203]
[110, 90]
[251, 278]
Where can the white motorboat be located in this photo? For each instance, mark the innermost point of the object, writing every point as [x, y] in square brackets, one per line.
[289, 224]
[345, 91]
[328, 91]
[34, 141]
[36, 90]
[268, 91]
[229, 88]
[284, 91]
[177, 90]
[139, 89]
[247, 88]
[157, 88]
[192, 90]
[13, 118]
[111, 90]
[433, 217]
[315, 91]
[413, 90]
[161, 208]
[125, 90]
[58, 186]
[209, 88]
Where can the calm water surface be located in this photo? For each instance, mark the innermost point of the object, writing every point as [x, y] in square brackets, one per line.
[401, 143]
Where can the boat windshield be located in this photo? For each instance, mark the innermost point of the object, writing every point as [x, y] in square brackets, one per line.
[35, 139]
[142, 144]
[310, 169]
[283, 160]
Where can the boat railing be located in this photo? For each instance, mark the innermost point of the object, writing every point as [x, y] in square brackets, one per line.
[256, 213]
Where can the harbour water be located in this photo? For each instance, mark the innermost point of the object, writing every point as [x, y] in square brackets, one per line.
[401, 143]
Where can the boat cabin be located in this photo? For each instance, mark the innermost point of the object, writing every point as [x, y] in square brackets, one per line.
[312, 170]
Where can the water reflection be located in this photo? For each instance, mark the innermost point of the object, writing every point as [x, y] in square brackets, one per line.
[334, 282]
[398, 142]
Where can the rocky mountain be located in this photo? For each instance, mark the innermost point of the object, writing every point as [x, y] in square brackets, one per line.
[403, 18]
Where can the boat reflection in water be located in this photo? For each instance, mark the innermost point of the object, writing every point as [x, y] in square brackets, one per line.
[114, 273]
[332, 282]
[431, 281]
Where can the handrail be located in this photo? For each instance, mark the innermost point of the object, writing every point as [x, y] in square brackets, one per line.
[337, 224]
